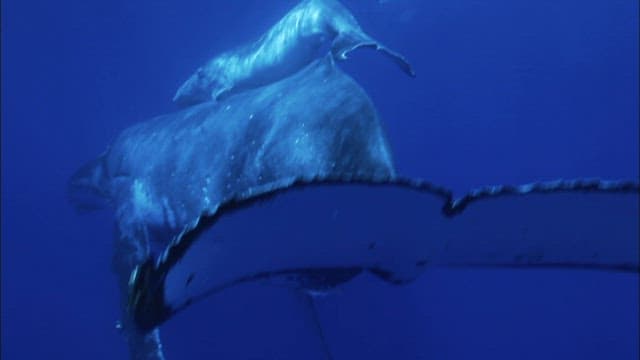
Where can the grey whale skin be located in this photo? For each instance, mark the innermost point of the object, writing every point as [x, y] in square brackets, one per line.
[304, 34]
[170, 179]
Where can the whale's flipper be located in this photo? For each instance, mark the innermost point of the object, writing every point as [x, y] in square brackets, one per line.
[346, 42]
[394, 229]
[295, 181]
[130, 250]
[571, 224]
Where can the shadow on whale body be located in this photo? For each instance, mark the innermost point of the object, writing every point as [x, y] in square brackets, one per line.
[307, 32]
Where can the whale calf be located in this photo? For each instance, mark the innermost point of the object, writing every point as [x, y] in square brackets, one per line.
[307, 32]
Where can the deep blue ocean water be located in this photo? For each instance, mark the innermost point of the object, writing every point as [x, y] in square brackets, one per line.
[506, 92]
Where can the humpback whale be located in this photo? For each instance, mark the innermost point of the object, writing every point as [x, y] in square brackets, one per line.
[310, 148]
[307, 32]
[204, 197]
[161, 175]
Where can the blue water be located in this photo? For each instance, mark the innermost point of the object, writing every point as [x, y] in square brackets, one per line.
[506, 92]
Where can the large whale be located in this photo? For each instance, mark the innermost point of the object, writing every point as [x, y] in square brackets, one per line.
[159, 176]
[293, 184]
[307, 32]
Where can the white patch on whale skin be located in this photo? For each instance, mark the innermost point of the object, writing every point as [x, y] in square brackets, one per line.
[144, 204]
[141, 198]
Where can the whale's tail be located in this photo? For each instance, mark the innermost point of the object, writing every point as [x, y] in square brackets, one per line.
[347, 42]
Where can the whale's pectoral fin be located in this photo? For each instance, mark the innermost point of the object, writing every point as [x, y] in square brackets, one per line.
[585, 224]
[397, 58]
[347, 42]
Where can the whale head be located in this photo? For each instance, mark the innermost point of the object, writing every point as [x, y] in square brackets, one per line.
[204, 85]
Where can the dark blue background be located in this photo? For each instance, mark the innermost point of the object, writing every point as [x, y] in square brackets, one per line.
[507, 92]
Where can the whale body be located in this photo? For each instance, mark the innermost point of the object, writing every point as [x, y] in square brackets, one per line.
[307, 32]
[161, 175]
